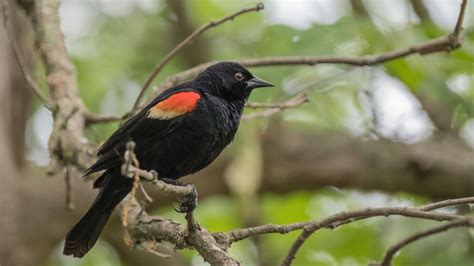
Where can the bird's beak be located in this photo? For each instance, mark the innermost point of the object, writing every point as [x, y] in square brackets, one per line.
[258, 83]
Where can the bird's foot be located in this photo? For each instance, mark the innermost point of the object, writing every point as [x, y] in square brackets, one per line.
[154, 174]
[190, 201]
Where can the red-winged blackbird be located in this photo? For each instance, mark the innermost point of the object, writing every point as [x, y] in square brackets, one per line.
[178, 133]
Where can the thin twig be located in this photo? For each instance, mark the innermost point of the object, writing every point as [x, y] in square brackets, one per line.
[186, 42]
[458, 28]
[337, 220]
[21, 62]
[67, 182]
[387, 260]
[148, 198]
[297, 100]
[283, 105]
[425, 208]
[447, 203]
[239, 234]
[92, 118]
[347, 217]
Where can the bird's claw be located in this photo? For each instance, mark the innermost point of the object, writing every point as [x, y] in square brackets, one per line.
[189, 202]
[154, 174]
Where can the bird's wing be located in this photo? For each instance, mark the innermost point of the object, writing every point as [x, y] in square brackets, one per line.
[159, 118]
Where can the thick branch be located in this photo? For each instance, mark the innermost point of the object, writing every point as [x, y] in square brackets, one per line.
[67, 142]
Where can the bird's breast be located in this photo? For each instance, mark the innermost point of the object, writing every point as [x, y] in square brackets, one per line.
[198, 142]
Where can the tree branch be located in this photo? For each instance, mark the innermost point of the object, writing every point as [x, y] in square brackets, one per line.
[21, 62]
[186, 42]
[67, 143]
[458, 27]
[447, 203]
[342, 218]
[92, 118]
[274, 108]
[444, 43]
[335, 221]
[448, 42]
[421, 11]
[387, 260]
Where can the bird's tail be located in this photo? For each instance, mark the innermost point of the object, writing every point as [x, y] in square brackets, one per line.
[82, 237]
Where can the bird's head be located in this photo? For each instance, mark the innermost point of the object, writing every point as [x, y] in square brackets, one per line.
[231, 80]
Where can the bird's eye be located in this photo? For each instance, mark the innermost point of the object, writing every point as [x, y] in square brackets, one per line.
[239, 76]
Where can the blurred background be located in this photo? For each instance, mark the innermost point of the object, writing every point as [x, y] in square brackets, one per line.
[397, 134]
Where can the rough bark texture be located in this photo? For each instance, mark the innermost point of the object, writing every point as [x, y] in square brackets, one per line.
[67, 141]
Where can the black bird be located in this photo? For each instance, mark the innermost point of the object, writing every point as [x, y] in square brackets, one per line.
[178, 133]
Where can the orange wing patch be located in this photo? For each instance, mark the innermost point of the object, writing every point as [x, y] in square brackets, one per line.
[177, 104]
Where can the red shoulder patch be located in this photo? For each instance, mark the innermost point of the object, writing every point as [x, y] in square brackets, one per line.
[175, 105]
